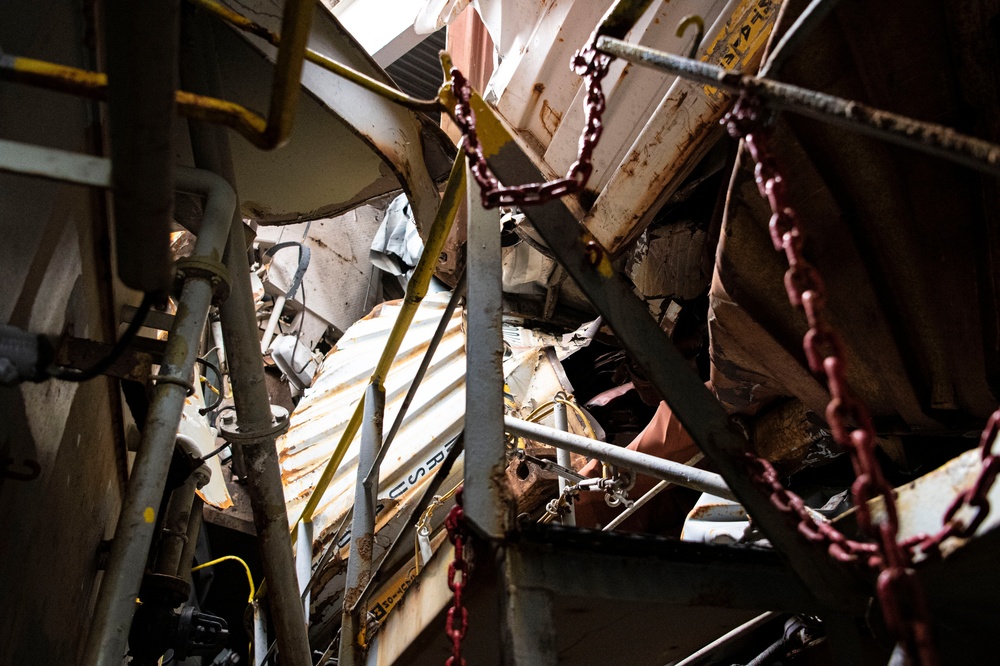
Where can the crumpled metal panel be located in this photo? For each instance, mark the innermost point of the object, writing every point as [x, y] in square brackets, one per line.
[904, 242]
[414, 151]
[655, 126]
[434, 419]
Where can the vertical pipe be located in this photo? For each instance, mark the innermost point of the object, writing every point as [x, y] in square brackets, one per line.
[359, 564]
[176, 522]
[564, 458]
[134, 531]
[193, 532]
[210, 145]
[484, 439]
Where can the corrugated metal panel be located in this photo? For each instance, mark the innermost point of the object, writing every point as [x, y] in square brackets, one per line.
[434, 419]
[418, 72]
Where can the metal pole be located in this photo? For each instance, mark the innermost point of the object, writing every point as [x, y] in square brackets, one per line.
[210, 145]
[134, 532]
[658, 468]
[303, 564]
[564, 457]
[425, 363]
[193, 532]
[925, 137]
[359, 563]
[484, 445]
[272, 323]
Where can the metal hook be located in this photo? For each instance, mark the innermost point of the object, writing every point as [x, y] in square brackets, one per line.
[34, 470]
[697, 21]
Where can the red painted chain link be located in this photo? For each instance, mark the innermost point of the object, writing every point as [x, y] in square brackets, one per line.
[587, 62]
[458, 535]
[974, 497]
[901, 598]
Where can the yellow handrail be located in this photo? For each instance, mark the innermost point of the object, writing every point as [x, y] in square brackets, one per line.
[245, 24]
[269, 133]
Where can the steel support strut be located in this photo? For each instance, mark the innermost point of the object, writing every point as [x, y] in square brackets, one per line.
[485, 457]
[586, 261]
[136, 522]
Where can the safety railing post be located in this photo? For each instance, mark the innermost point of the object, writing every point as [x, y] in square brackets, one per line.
[359, 563]
[563, 457]
[484, 436]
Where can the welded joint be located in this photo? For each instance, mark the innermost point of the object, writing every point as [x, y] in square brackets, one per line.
[230, 431]
[205, 268]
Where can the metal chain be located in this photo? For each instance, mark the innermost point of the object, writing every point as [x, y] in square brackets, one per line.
[458, 613]
[974, 497]
[586, 62]
[901, 598]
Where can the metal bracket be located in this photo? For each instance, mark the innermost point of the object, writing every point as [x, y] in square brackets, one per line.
[214, 271]
[230, 431]
[166, 379]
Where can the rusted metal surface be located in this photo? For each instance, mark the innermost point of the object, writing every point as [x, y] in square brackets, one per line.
[679, 130]
[924, 357]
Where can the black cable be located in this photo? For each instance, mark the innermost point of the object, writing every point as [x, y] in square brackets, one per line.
[138, 319]
[214, 453]
[218, 375]
[298, 333]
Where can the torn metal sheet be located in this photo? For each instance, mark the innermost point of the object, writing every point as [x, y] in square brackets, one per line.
[413, 150]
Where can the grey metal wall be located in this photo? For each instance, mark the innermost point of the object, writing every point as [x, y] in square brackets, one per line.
[54, 259]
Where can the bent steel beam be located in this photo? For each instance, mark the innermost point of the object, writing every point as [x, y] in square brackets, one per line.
[589, 264]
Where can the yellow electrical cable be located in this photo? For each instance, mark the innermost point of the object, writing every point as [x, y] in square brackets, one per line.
[546, 408]
[253, 590]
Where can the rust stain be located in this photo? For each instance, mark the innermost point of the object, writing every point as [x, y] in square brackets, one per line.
[550, 118]
[364, 545]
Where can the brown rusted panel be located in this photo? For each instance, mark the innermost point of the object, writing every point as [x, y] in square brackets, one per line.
[900, 239]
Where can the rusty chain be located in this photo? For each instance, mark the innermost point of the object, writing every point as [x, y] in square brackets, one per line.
[458, 577]
[586, 62]
[902, 600]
